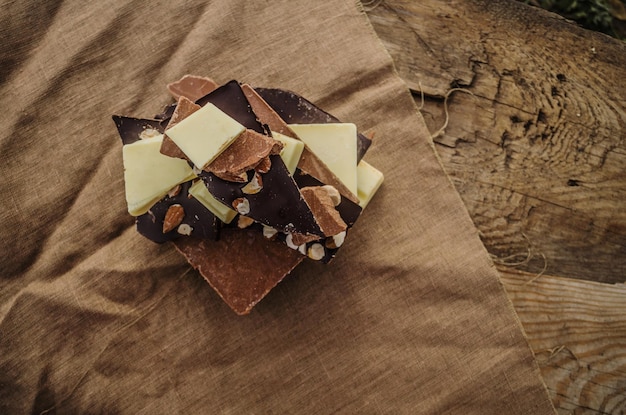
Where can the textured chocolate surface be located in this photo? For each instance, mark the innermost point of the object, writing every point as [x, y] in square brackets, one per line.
[295, 109]
[245, 153]
[242, 267]
[203, 223]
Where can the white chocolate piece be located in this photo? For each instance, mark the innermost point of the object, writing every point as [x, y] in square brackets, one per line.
[291, 151]
[203, 135]
[369, 180]
[336, 145]
[149, 175]
[200, 192]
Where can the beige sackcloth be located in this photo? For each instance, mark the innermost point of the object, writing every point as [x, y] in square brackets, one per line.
[410, 318]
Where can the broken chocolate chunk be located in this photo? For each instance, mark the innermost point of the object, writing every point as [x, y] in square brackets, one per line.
[309, 163]
[191, 87]
[348, 210]
[323, 208]
[244, 154]
[242, 267]
[134, 129]
[278, 204]
[231, 100]
[294, 109]
[184, 108]
[197, 220]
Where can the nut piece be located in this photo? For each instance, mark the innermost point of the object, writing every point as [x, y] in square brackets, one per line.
[269, 232]
[290, 243]
[173, 217]
[241, 205]
[334, 194]
[148, 133]
[184, 229]
[174, 191]
[244, 221]
[302, 249]
[316, 252]
[264, 165]
[335, 241]
[254, 186]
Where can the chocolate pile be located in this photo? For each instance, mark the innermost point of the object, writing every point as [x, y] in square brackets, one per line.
[246, 182]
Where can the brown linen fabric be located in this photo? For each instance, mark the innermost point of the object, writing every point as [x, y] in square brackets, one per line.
[409, 318]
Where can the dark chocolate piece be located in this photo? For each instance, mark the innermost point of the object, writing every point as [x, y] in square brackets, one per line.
[130, 129]
[242, 267]
[278, 203]
[200, 221]
[231, 100]
[295, 109]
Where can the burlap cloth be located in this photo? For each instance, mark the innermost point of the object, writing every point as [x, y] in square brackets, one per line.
[409, 318]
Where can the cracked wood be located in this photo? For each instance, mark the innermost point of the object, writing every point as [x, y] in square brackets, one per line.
[537, 148]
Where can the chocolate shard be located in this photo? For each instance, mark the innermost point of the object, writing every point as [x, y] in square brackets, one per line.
[278, 203]
[197, 221]
[294, 109]
[242, 267]
[134, 129]
[244, 154]
[265, 113]
[231, 100]
[309, 163]
[166, 114]
[323, 208]
[191, 87]
[348, 210]
[184, 108]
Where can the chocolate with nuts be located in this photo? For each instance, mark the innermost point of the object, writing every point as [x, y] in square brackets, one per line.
[278, 203]
[199, 221]
[283, 215]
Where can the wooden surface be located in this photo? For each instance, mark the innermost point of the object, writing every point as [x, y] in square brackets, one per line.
[534, 140]
[577, 330]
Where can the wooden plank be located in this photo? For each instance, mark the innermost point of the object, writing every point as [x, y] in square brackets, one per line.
[577, 330]
[537, 147]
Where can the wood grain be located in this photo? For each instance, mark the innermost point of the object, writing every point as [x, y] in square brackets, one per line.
[577, 330]
[536, 145]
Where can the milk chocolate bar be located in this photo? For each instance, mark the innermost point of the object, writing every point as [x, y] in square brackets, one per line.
[242, 267]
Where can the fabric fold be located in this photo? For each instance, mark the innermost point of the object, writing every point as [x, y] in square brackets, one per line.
[410, 317]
